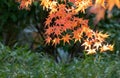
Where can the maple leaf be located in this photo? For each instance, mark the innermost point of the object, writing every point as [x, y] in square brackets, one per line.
[51, 16]
[57, 30]
[105, 35]
[66, 38]
[111, 4]
[49, 31]
[91, 51]
[25, 4]
[87, 44]
[60, 21]
[62, 7]
[81, 5]
[47, 40]
[47, 22]
[56, 41]
[68, 25]
[104, 48]
[44, 3]
[77, 36]
[97, 45]
[89, 33]
[111, 47]
[74, 24]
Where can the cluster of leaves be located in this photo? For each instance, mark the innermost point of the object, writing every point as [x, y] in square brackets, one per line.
[21, 63]
[63, 25]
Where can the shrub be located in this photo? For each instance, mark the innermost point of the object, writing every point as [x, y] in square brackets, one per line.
[20, 62]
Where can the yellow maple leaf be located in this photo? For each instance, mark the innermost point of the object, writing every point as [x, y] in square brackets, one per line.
[87, 44]
[111, 47]
[100, 2]
[112, 3]
[81, 5]
[97, 45]
[49, 4]
[91, 51]
[104, 48]
[105, 35]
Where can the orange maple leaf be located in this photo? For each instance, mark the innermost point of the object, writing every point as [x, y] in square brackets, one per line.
[89, 33]
[57, 30]
[47, 22]
[77, 36]
[100, 2]
[25, 4]
[56, 41]
[47, 40]
[111, 4]
[66, 38]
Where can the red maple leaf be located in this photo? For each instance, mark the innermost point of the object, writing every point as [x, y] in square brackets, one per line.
[47, 40]
[73, 1]
[49, 31]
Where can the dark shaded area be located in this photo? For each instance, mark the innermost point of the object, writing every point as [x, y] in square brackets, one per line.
[13, 20]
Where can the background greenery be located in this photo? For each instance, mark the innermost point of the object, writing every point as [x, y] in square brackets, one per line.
[22, 63]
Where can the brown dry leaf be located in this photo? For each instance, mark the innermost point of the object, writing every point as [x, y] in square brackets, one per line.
[99, 11]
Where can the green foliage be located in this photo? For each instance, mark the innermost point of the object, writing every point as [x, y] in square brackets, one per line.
[13, 20]
[22, 63]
